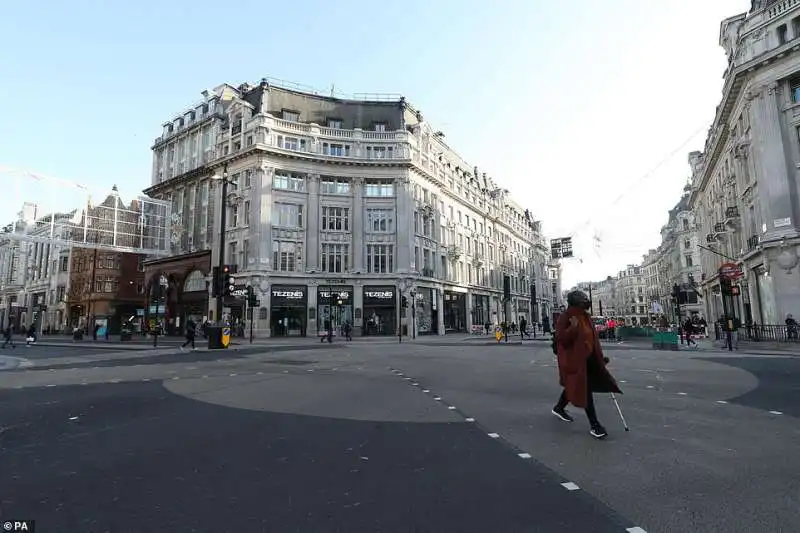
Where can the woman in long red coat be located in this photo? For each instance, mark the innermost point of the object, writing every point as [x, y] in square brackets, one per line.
[581, 364]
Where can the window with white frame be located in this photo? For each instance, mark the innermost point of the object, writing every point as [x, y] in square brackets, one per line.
[287, 215]
[380, 126]
[248, 178]
[245, 252]
[334, 186]
[336, 149]
[288, 181]
[287, 256]
[291, 143]
[234, 216]
[334, 123]
[335, 257]
[246, 216]
[379, 188]
[380, 220]
[291, 116]
[380, 258]
[335, 218]
[380, 152]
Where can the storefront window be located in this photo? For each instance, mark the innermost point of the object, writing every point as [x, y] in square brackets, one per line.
[288, 313]
[380, 310]
[455, 311]
[426, 314]
[334, 303]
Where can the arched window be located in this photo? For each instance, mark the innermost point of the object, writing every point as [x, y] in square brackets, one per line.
[195, 282]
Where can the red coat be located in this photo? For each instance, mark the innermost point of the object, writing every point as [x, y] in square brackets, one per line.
[575, 345]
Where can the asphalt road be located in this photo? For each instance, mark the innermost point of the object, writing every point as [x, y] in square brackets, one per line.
[383, 437]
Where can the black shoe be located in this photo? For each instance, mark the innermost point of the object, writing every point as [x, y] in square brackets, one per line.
[598, 432]
[561, 413]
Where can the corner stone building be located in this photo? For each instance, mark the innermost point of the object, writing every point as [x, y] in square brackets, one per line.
[339, 208]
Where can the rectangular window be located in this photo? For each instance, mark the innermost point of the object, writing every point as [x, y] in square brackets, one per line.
[794, 84]
[334, 124]
[335, 257]
[287, 215]
[291, 116]
[245, 252]
[288, 181]
[287, 256]
[234, 216]
[380, 152]
[380, 127]
[689, 262]
[336, 149]
[380, 220]
[247, 213]
[783, 34]
[291, 143]
[334, 186]
[687, 244]
[380, 258]
[232, 259]
[335, 218]
[248, 178]
[379, 188]
[64, 264]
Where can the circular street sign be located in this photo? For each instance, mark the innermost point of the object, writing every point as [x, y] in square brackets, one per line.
[730, 270]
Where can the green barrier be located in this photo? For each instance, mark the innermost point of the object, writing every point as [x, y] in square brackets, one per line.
[665, 340]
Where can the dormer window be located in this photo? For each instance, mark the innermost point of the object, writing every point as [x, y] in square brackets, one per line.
[291, 116]
[380, 126]
[180, 122]
[334, 123]
[783, 34]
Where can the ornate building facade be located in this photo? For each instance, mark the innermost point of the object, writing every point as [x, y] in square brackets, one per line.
[338, 209]
[745, 186]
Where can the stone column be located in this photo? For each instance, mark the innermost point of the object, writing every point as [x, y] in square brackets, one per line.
[261, 220]
[405, 226]
[358, 225]
[440, 305]
[775, 192]
[312, 224]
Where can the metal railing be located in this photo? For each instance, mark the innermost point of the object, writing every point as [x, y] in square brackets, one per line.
[763, 333]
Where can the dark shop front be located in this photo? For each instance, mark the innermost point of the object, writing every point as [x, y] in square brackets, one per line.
[380, 310]
[288, 304]
[334, 303]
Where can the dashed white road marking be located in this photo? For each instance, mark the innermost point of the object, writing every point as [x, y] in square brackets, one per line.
[636, 529]
[722, 401]
[51, 385]
[415, 384]
[569, 485]
[259, 373]
[681, 394]
[205, 377]
[146, 379]
[469, 420]
[524, 455]
[232, 375]
[437, 398]
[494, 435]
[651, 387]
[775, 413]
[623, 381]
[176, 377]
[426, 391]
[407, 379]
[452, 407]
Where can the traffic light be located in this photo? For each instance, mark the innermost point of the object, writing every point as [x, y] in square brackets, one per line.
[228, 280]
[403, 302]
[215, 282]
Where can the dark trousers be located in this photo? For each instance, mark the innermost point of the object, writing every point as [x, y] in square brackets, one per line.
[189, 340]
[591, 414]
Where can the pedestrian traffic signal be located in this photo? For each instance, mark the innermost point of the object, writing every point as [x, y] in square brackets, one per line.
[404, 302]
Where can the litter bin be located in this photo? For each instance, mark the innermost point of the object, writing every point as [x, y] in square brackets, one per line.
[215, 338]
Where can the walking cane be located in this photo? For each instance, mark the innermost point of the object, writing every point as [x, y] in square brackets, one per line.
[624, 424]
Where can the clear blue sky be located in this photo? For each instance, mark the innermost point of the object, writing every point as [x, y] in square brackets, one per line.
[565, 103]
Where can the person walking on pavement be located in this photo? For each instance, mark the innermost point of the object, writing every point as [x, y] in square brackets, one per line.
[8, 336]
[688, 330]
[523, 328]
[191, 332]
[347, 329]
[30, 335]
[581, 364]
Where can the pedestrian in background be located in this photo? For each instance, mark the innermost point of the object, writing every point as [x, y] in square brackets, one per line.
[8, 335]
[581, 364]
[191, 333]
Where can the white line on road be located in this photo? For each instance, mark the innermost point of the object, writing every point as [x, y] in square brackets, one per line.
[452, 407]
[681, 394]
[775, 413]
[232, 375]
[569, 485]
[425, 390]
[438, 398]
[636, 529]
[415, 384]
[722, 401]
[469, 420]
[494, 435]
[50, 386]
[524, 455]
[651, 387]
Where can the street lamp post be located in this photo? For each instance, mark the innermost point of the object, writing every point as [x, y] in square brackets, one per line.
[163, 283]
[221, 245]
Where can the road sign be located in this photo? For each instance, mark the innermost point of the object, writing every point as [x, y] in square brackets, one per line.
[730, 270]
[226, 336]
